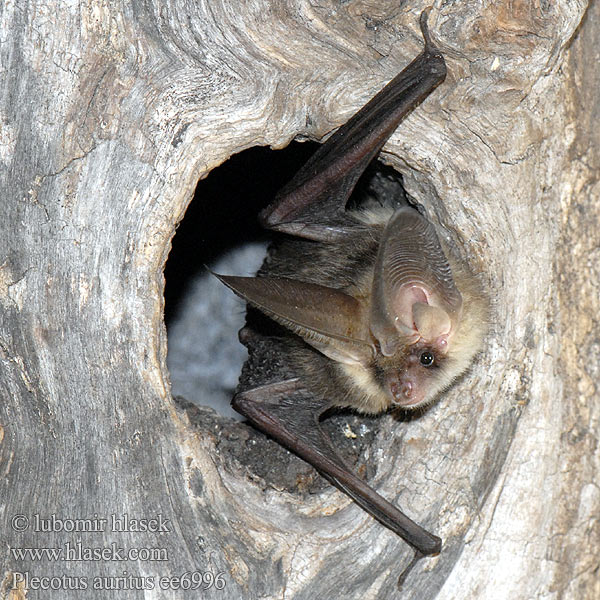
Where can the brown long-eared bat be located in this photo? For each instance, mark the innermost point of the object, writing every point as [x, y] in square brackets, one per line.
[377, 314]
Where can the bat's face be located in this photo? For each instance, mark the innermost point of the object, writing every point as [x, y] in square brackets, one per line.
[425, 321]
[409, 378]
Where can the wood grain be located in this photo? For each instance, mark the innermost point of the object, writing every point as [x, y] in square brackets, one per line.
[110, 112]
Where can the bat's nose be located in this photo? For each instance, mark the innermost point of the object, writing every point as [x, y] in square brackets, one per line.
[401, 392]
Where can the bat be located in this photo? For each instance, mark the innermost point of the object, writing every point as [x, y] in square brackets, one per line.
[374, 312]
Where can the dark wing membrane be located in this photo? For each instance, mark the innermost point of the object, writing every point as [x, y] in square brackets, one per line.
[293, 422]
[312, 204]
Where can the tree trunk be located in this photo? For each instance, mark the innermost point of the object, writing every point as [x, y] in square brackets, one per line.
[110, 113]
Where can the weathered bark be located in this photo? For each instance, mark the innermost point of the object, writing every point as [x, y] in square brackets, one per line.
[111, 112]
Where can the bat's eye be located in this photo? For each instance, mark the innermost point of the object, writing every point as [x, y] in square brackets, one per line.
[427, 359]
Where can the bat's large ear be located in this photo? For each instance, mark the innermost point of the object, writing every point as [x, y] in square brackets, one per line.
[333, 322]
[414, 296]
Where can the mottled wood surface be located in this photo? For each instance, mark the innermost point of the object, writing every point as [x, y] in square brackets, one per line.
[110, 112]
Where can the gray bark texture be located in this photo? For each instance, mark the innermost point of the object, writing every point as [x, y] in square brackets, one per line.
[110, 113]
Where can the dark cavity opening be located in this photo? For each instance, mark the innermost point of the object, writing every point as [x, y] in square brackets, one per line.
[220, 230]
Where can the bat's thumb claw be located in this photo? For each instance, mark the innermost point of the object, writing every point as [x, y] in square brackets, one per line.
[425, 28]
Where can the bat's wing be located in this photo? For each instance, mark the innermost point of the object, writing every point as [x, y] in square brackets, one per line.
[294, 422]
[313, 204]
